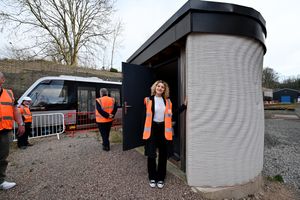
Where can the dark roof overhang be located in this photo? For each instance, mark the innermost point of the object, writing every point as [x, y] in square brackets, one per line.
[203, 17]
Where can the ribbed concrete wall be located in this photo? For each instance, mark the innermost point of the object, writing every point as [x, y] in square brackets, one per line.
[225, 123]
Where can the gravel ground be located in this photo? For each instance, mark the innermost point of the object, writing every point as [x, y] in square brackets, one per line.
[282, 150]
[77, 168]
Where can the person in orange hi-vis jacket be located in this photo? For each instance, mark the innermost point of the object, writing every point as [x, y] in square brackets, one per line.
[158, 132]
[106, 108]
[27, 118]
[8, 113]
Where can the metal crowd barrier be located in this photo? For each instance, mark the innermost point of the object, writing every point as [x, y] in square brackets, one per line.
[83, 121]
[44, 125]
[80, 121]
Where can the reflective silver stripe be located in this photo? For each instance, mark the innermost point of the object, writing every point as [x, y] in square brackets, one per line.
[107, 107]
[147, 100]
[168, 129]
[10, 94]
[169, 101]
[148, 114]
[7, 118]
[147, 129]
[7, 103]
[24, 110]
[168, 115]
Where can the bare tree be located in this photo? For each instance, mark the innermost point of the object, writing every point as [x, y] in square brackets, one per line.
[61, 28]
[115, 40]
[18, 53]
[292, 82]
[270, 78]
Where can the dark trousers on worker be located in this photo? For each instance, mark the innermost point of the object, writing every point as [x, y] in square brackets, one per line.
[4, 151]
[158, 141]
[23, 139]
[104, 129]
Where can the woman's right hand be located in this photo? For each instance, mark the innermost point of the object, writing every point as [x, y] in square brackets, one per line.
[185, 101]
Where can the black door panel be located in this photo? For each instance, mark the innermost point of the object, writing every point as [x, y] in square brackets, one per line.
[136, 84]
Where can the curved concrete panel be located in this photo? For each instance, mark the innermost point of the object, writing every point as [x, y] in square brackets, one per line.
[225, 121]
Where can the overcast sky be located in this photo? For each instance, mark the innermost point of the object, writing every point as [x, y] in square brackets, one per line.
[142, 18]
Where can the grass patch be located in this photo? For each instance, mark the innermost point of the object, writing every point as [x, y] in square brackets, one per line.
[115, 136]
[276, 178]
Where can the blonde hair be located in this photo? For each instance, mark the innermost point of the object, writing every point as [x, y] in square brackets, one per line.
[166, 93]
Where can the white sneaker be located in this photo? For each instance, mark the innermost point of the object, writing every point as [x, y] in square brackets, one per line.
[160, 184]
[7, 185]
[152, 183]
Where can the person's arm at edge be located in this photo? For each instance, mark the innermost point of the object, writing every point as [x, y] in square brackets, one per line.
[18, 119]
[115, 109]
[181, 108]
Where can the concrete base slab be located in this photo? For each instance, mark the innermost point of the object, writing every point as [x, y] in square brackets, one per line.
[218, 193]
[232, 192]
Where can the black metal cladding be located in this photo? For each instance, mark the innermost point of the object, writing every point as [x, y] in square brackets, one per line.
[204, 17]
[227, 24]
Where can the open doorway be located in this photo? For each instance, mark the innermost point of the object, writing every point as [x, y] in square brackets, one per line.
[143, 77]
[169, 71]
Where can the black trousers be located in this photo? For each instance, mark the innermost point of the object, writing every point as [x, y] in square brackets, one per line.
[104, 129]
[158, 141]
[23, 140]
[4, 151]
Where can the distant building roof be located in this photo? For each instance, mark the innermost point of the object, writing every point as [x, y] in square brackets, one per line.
[278, 90]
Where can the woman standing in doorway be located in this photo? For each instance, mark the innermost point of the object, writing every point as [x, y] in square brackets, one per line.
[158, 132]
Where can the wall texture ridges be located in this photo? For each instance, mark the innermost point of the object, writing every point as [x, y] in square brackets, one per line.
[225, 124]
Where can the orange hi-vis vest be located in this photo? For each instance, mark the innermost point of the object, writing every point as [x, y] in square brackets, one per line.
[149, 117]
[6, 110]
[107, 104]
[25, 112]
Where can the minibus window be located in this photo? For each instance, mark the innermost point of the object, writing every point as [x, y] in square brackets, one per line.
[45, 94]
[115, 93]
[86, 99]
